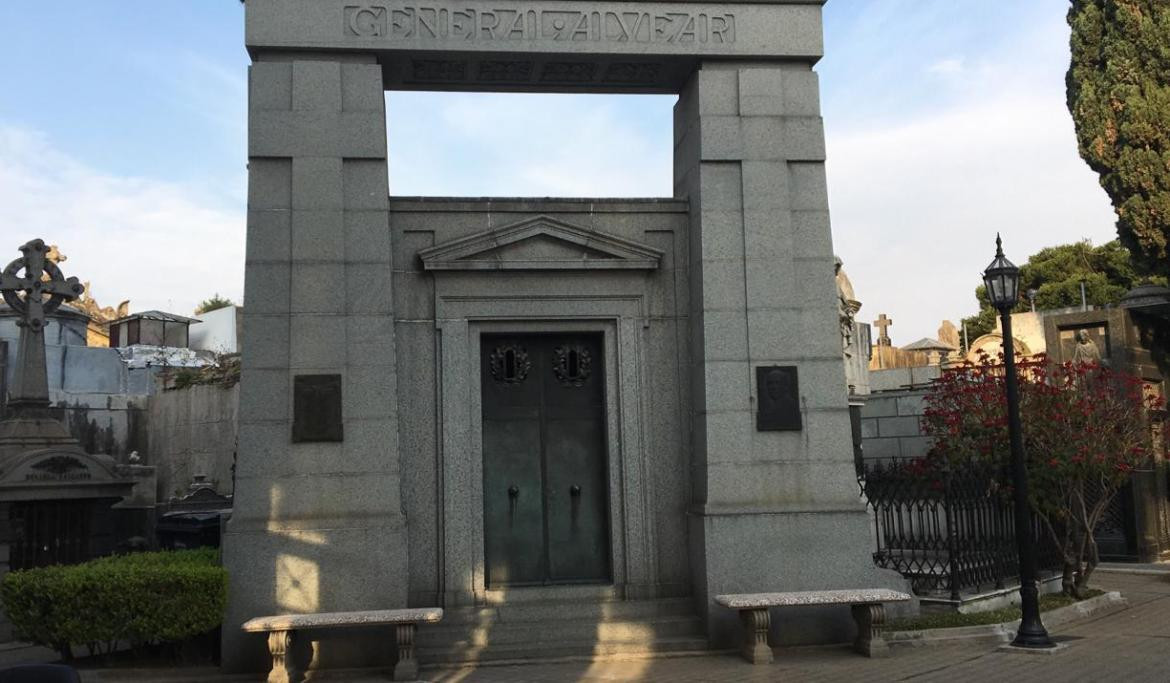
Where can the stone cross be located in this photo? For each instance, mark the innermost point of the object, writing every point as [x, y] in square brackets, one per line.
[36, 286]
[44, 289]
[883, 323]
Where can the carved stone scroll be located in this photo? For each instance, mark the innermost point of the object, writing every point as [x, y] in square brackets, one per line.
[280, 645]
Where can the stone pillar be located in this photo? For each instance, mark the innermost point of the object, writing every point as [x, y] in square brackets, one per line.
[772, 511]
[316, 526]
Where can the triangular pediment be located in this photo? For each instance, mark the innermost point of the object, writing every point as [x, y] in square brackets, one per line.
[541, 243]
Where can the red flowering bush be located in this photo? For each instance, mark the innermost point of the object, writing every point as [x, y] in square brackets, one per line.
[1085, 426]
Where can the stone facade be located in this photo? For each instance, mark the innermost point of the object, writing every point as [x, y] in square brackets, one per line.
[690, 296]
[190, 432]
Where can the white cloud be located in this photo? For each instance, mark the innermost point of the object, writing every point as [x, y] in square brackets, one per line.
[529, 145]
[916, 206]
[917, 197]
[946, 67]
[158, 244]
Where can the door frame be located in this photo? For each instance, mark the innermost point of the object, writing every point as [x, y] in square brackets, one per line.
[461, 321]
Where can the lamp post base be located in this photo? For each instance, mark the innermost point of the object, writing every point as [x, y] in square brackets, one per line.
[1049, 650]
[1033, 641]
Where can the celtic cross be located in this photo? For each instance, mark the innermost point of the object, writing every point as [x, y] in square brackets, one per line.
[42, 295]
[34, 287]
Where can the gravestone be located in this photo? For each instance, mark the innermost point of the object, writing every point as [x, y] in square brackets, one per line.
[54, 496]
[470, 328]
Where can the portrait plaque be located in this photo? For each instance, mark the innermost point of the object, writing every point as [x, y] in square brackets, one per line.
[778, 399]
[316, 408]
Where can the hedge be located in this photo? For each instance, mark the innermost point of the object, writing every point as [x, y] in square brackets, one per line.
[141, 599]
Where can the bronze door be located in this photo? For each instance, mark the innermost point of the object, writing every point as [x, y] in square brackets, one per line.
[545, 493]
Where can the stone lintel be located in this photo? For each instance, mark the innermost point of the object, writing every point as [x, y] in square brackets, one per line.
[539, 45]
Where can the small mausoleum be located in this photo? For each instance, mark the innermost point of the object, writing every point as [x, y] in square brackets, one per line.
[571, 423]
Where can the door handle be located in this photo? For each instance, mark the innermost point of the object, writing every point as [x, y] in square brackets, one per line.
[513, 494]
[574, 506]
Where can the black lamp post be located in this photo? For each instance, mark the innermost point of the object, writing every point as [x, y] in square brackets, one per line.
[1002, 279]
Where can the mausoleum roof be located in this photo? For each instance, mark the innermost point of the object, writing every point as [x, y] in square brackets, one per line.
[158, 315]
[928, 344]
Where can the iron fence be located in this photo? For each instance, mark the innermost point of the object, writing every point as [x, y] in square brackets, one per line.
[948, 529]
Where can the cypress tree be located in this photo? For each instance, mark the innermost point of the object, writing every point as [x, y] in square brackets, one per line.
[1119, 97]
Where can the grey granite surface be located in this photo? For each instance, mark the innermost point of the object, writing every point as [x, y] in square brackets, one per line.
[289, 622]
[834, 597]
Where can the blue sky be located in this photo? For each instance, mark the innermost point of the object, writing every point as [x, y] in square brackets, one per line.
[123, 126]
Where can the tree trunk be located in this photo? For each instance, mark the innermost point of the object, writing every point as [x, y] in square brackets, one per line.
[1090, 564]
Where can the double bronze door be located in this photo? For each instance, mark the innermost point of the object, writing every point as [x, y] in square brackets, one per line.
[545, 492]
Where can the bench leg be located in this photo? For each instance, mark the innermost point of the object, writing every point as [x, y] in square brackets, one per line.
[870, 620]
[755, 635]
[284, 670]
[407, 667]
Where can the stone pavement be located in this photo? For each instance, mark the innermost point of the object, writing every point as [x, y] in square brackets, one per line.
[1129, 645]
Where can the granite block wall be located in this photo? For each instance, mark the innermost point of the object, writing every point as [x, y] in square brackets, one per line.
[891, 425]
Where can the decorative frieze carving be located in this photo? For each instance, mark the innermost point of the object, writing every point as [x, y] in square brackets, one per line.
[568, 72]
[634, 73]
[522, 71]
[58, 467]
[439, 70]
[409, 20]
[502, 71]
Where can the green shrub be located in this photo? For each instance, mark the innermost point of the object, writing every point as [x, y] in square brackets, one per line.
[142, 599]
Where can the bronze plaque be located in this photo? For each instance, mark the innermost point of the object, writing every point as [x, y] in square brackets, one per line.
[316, 408]
[778, 399]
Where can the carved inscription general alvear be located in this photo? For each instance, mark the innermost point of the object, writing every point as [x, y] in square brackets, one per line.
[400, 21]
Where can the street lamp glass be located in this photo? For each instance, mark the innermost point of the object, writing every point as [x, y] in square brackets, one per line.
[1002, 279]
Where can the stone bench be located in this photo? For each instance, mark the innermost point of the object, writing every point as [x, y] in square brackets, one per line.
[868, 611]
[282, 634]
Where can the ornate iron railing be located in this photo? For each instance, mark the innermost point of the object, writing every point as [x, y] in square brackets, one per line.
[948, 529]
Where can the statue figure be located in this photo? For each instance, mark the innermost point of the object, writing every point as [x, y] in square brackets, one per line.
[847, 307]
[949, 334]
[99, 313]
[1086, 350]
[54, 254]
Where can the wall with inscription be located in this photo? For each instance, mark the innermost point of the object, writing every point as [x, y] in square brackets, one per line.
[543, 44]
[404, 21]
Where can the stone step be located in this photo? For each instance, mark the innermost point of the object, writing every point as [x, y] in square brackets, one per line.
[619, 610]
[567, 593]
[464, 653]
[561, 630]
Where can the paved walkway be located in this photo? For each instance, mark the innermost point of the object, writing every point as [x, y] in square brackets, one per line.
[1130, 645]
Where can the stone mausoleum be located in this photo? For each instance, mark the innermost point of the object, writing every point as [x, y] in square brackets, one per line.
[602, 411]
